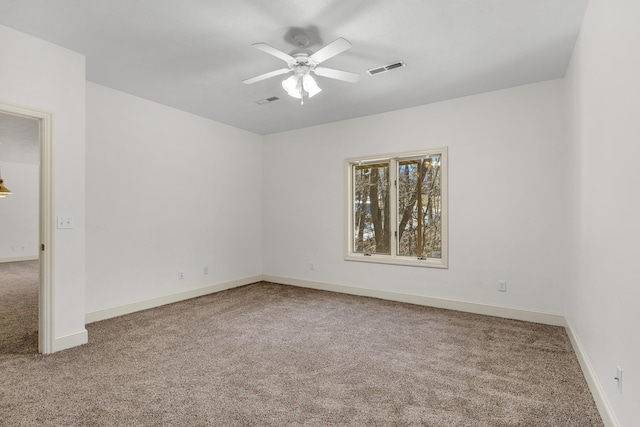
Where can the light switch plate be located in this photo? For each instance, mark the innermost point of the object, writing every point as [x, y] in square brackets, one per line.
[65, 222]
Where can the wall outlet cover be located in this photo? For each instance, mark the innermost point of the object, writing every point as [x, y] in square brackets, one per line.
[502, 286]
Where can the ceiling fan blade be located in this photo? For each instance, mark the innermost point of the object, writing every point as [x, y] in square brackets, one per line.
[337, 74]
[332, 49]
[266, 76]
[273, 51]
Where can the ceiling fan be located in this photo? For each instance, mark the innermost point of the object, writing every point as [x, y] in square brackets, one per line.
[301, 64]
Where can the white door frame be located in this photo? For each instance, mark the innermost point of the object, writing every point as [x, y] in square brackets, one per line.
[46, 335]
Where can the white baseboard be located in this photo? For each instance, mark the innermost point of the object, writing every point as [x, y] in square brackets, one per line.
[71, 340]
[602, 403]
[120, 310]
[20, 258]
[469, 307]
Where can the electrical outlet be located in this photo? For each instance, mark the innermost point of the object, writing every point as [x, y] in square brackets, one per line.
[312, 266]
[205, 270]
[180, 275]
[618, 378]
[502, 286]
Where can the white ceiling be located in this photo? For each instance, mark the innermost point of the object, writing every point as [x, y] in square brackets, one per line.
[193, 54]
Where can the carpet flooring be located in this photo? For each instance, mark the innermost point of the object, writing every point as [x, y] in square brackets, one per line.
[19, 307]
[274, 355]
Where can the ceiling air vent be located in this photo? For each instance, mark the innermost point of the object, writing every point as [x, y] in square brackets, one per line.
[385, 68]
[267, 100]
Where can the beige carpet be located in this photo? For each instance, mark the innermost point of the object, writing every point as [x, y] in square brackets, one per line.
[274, 355]
[19, 307]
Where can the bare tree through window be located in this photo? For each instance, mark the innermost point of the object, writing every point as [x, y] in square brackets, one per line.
[371, 207]
[397, 209]
[419, 208]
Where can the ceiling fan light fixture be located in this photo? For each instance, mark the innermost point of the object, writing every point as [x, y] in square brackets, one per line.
[310, 85]
[301, 84]
[292, 86]
[297, 86]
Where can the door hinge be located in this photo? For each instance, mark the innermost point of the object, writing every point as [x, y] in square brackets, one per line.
[42, 247]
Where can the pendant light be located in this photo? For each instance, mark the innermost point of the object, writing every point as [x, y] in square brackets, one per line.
[4, 191]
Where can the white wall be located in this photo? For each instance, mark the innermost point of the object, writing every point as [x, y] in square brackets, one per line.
[19, 238]
[39, 75]
[506, 192]
[167, 191]
[604, 92]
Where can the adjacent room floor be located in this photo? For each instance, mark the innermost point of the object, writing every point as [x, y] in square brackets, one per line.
[19, 283]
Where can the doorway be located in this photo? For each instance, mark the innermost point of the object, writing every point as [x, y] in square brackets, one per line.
[26, 233]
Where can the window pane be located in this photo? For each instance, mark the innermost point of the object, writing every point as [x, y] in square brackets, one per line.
[420, 208]
[371, 209]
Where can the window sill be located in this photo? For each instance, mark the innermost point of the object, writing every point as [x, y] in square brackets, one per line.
[386, 259]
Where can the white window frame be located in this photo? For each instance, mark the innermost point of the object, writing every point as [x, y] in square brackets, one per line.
[393, 258]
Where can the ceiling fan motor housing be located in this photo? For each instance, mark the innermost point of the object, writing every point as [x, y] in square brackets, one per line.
[301, 40]
[302, 62]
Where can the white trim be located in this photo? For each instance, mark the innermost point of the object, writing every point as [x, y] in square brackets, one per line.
[46, 318]
[602, 403]
[449, 304]
[71, 340]
[120, 310]
[46, 336]
[19, 258]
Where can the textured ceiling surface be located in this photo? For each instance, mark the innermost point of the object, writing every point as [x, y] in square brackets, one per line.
[193, 54]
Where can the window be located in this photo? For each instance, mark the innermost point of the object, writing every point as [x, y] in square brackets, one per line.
[397, 208]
